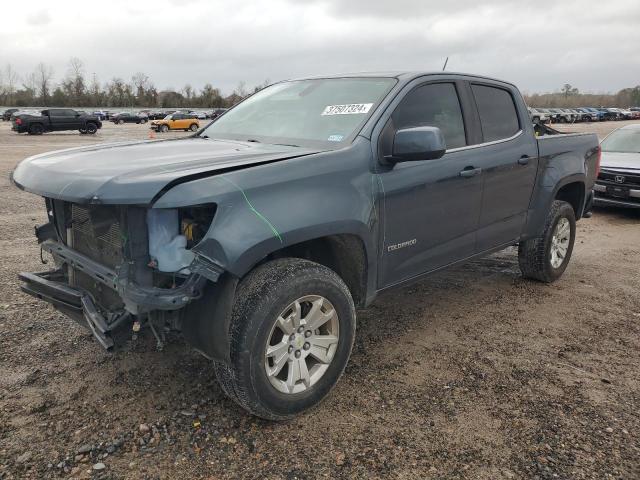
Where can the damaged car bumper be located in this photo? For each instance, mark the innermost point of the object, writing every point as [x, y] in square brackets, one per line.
[53, 287]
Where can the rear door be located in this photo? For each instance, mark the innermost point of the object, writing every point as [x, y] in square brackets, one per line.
[64, 119]
[508, 156]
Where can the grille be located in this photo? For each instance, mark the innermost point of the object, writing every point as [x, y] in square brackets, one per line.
[609, 178]
[95, 232]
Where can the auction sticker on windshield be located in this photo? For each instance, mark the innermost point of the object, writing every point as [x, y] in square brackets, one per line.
[348, 109]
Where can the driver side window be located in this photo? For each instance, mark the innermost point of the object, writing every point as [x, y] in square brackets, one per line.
[433, 105]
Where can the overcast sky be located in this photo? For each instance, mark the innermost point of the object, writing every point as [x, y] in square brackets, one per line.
[539, 45]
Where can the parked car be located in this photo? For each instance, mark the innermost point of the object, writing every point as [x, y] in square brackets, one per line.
[598, 115]
[561, 115]
[538, 116]
[6, 115]
[55, 120]
[259, 236]
[200, 115]
[553, 117]
[217, 112]
[128, 117]
[618, 183]
[176, 121]
[586, 115]
[625, 114]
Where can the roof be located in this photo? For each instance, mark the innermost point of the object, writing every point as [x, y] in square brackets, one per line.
[400, 75]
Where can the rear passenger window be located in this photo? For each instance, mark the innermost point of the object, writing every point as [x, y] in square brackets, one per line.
[498, 114]
[433, 105]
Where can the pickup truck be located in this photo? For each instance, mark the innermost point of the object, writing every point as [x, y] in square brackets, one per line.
[258, 236]
[56, 120]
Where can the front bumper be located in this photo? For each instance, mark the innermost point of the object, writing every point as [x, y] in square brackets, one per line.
[136, 298]
[53, 287]
[601, 199]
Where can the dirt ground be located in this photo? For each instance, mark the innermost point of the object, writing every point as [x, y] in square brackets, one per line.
[472, 373]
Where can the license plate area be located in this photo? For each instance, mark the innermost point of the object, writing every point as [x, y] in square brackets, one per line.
[618, 191]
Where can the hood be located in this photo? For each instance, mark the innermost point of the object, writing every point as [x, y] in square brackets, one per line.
[620, 161]
[135, 172]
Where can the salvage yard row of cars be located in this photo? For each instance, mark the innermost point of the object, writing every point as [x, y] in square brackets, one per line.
[583, 114]
[65, 119]
[143, 116]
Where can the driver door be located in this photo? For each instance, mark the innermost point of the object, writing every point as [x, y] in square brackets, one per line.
[431, 208]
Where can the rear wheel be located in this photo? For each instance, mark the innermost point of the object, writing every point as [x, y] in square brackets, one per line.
[193, 127]
[36, 129]
[546, 257]
[292, 328]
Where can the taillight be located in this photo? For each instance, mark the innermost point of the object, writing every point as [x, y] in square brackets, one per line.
[18, 121]
[599, 153]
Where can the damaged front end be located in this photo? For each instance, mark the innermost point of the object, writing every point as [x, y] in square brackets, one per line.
[117, 265]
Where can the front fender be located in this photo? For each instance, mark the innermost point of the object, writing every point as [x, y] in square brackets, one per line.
[265, 208]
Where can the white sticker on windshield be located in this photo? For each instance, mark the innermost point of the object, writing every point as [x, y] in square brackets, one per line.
[348, 109]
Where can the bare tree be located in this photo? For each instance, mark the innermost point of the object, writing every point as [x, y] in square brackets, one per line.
[8, 82]
[43, 78]
[76, 81]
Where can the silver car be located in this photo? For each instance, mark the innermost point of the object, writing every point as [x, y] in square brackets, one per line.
[618, 183]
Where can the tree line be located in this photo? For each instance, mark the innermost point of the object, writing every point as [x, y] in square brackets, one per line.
[571, 97]
[39, 88]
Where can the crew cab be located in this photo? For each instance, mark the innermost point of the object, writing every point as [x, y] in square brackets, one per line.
[55, 120]
[177, 121]
[259, 236]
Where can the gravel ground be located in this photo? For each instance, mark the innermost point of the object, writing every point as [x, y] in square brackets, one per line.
[473, 373]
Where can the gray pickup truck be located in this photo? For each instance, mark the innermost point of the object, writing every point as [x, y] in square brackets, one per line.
[259, 236]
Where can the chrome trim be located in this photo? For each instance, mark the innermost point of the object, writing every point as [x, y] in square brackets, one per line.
[603, 188]
[486, 144]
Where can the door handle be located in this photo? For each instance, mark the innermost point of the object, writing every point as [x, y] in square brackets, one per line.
[470, 172]
[524, 160]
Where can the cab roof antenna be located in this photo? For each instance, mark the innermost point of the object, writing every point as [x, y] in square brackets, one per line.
[444, 67]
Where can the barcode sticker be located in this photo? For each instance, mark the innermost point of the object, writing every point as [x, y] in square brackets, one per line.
[348, 109]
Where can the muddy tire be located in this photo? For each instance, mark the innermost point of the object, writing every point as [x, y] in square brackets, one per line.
[36, 129]
[546, 257]
[91, 128]
[292, 329]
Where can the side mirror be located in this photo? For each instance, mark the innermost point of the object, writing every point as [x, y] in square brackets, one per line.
[417, 143]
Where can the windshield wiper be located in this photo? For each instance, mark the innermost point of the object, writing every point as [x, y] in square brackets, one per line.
[253, 140]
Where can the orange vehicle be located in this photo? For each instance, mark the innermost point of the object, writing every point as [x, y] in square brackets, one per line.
[176, 121]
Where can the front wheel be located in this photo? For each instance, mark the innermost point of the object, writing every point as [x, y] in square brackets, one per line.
[164, 128]
[120, 122]
[291, 333]
[546, 257]
[91, 128]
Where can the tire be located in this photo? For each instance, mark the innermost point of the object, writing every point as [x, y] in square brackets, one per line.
[143, 121]
[536, 255]
[82, 131]
[193, 127]
[120, 122]
[91, 128]
[164, 128]
[272, 291]
[36, 129]
[536, 120]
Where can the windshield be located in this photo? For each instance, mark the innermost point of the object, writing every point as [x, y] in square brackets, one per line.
[311, 113]
[168, 117]
[624, 140]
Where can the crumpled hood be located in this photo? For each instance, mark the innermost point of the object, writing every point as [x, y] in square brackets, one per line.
[620, 161]
[135, 172]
